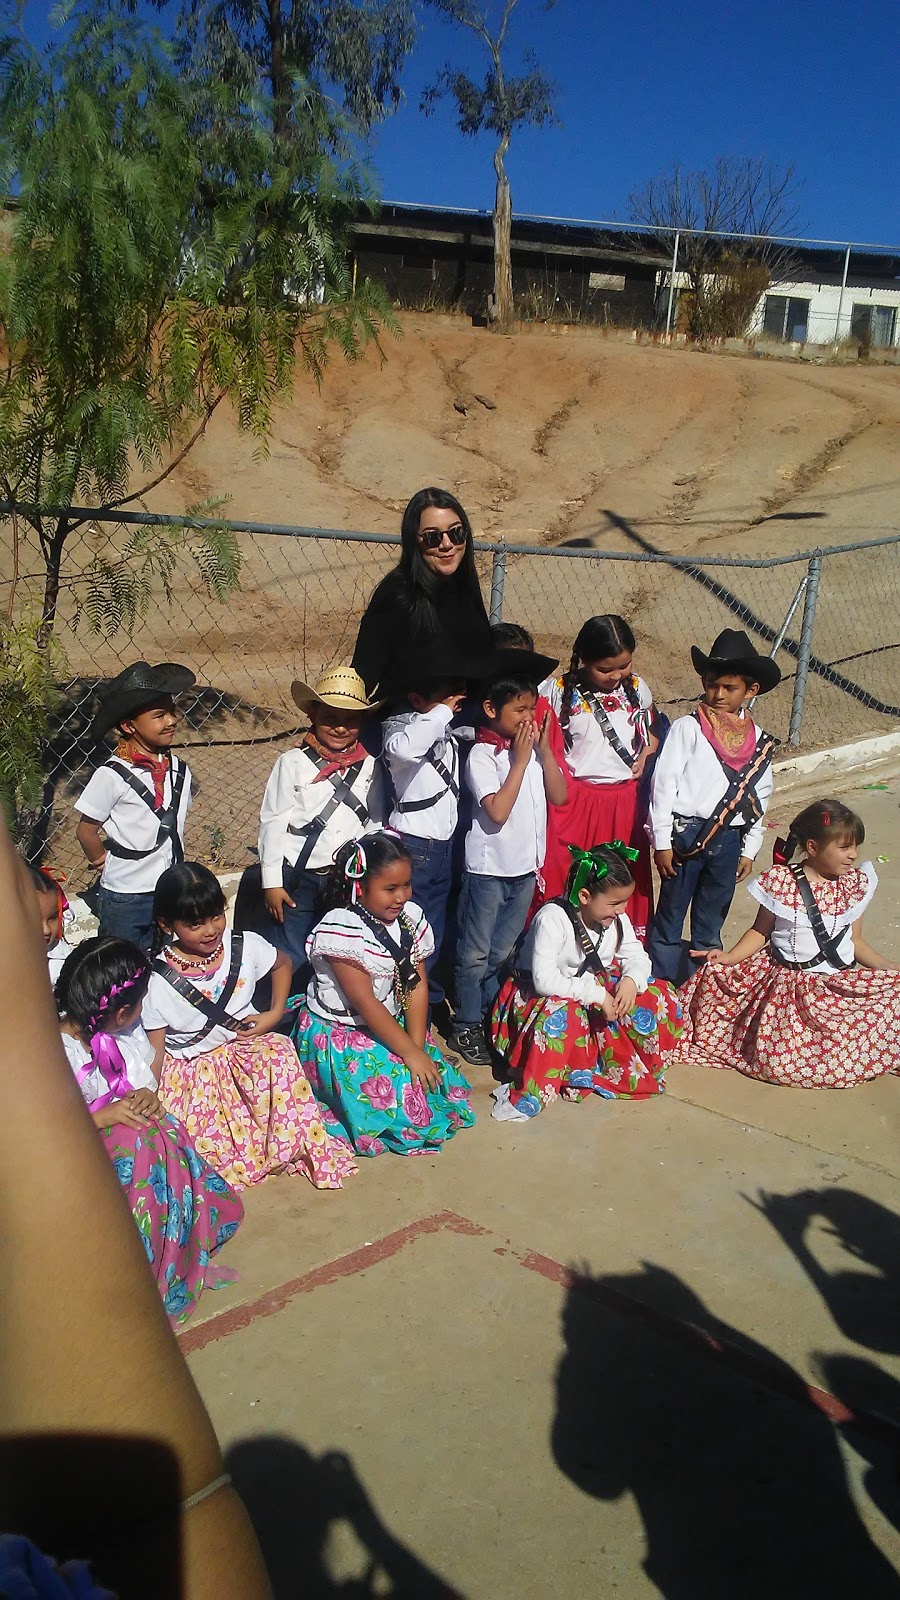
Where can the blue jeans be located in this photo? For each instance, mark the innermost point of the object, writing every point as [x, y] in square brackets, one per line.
[704, 884]
[127, 916]
[492, 914]
[432, 865]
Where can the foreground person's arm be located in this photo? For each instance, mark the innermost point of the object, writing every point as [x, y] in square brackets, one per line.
[102, 1431]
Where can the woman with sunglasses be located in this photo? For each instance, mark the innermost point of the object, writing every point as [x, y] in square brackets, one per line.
[432, 592]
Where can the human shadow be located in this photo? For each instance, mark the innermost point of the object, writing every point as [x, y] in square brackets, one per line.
[295, 1499]
[865, 1303]
[738, 1478]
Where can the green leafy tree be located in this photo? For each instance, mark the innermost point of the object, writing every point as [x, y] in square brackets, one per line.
[497, 104]
[329, 68]
[158, 258]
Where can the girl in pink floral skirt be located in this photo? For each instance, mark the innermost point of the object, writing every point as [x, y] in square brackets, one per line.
[363, 1041]
[237, 1086]
[801, 998]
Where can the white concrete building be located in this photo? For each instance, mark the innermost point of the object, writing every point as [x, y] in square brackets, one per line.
[819, 310]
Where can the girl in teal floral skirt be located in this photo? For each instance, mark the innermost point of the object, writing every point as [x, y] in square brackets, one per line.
[580, 1015]
[362, 1037]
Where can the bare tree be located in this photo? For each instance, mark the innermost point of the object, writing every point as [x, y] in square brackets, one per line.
[498, 105]
[746, 203]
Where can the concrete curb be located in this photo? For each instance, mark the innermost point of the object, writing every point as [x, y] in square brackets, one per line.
[859, 755]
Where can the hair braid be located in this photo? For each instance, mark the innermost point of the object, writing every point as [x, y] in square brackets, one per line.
[568, 685]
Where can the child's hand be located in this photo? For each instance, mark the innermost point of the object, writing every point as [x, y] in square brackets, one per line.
[121, 1111]
[276, 900]
[542, 738]
[146, 1103]
[625, 996]
[455, 702]
[665, 864]
[606, 1003]
[522, 745]
[422, 1069]
[257, 1023]
[744, 869]
[713, 958]
[639, 765]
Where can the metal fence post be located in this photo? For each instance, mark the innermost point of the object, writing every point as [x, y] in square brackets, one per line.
[673, 271]
[814, 573]
[498, 579]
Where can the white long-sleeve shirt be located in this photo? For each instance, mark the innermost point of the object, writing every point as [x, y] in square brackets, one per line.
[293, 798]
[553, 956]
[688, 783]
[409, 739]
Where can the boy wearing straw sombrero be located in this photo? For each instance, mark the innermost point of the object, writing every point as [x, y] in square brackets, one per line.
[139, 798]
[711, 786]
[322, 793]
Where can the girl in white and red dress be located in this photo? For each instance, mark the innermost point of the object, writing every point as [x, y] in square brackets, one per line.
[801, 998]
[580, 1014]
[606, 715]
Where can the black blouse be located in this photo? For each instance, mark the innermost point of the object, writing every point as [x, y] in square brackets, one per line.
[386, 632]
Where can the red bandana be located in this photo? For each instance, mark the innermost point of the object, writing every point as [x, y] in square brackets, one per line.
[488, 736]
[157, 766]
[336, 763]
[732, 737]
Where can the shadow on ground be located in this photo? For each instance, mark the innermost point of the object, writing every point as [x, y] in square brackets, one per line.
[741, 1484]
[296, 1499]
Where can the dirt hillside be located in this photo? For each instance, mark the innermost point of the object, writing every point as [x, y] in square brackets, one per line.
[549, 437]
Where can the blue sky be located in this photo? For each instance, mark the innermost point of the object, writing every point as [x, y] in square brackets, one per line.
[808, 82]
[641, 84]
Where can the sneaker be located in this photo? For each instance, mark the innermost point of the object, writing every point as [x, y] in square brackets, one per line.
[469, 1043]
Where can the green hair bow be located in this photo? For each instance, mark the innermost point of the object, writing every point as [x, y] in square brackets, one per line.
[588, 865]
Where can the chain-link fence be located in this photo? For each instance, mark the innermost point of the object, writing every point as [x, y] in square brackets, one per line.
[831, 618]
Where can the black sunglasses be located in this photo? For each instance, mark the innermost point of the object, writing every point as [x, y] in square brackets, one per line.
[432, 538]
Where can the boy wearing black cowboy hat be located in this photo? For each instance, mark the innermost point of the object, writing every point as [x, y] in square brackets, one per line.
[140, 797]
[710, 790]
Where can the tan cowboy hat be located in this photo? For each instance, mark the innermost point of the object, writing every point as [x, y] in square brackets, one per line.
[341, 688]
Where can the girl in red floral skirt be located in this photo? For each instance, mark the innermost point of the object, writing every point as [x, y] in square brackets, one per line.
[606, 716]
[580, 1015]
[801, 998]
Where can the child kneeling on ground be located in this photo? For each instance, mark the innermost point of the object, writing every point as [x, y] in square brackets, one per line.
[362, 1040]
[183, 1209]
[801, 998]
[580, 1015]
[237, 1086]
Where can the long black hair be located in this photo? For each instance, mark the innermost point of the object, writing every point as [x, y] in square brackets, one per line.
[100, 978]
[599, 639]
[824, 822]
[185, 893]
[416, 581]
[379, 850]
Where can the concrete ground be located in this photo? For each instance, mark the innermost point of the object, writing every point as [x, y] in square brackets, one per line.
[627, 1350]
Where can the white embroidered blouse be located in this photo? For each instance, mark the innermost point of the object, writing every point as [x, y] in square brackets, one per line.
[841, 902]
[344, 935]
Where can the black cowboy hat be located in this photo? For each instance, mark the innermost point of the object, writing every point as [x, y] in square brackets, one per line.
[137, 689]
[735, 652]
[530, 664]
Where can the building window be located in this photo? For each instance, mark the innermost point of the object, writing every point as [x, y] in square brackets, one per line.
[786, 318]
[873, 325]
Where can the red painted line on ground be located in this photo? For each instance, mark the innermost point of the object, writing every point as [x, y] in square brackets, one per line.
[275, 1300]
[767, 1372]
